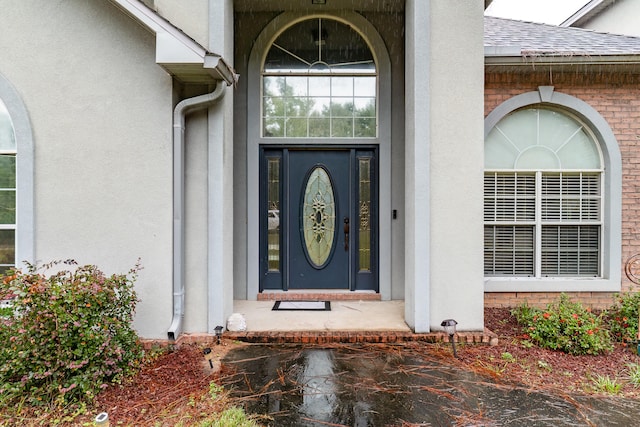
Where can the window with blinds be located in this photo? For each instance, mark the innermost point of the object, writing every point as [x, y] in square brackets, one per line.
[509, 215]
[565, 227]
[542, 197]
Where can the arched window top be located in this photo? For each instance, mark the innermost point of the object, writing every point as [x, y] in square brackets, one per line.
[7, 131]
[540, 138]
[320, 45]
[319, 81]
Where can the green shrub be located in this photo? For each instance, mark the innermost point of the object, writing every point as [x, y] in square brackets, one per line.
[70, 333]
[565, 326]
[623, 317]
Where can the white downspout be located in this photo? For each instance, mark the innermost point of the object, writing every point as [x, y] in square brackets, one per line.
[180, 111]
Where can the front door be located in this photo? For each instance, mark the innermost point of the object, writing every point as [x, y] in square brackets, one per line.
[319, 210]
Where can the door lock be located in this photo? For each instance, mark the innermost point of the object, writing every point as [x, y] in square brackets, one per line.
[346, 233]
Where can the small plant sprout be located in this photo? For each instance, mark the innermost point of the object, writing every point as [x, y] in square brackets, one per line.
[508, 357]
[606, 384]
[544, 365]
[634, 374]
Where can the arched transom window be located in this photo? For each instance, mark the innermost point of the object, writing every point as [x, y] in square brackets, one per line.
[543, 197]
[319, 81]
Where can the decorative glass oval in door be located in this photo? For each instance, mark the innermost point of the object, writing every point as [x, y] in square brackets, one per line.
[318, 217]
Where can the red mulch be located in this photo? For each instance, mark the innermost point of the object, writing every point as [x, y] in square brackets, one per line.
[168, 390]
[545, 369]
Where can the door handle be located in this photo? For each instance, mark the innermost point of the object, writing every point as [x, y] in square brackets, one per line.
[346, 233]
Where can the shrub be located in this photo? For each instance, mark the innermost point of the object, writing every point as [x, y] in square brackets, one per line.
[70, 333]
[623, 317]
[566, 326]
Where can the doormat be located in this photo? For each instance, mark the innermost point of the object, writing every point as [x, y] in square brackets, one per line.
[302, 305]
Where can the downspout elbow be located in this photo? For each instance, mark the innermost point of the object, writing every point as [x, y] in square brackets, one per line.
[180, 111]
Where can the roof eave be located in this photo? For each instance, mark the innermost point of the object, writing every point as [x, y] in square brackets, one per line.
[586, 13]
[177, 53]
[505, 56]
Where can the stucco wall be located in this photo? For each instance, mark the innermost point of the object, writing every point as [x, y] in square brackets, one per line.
[456, 165]
[191, 16]
[247, 28]
[619, 18]
[101, 115]
[617, 98]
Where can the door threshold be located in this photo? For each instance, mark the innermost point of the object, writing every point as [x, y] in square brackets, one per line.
[319, 295]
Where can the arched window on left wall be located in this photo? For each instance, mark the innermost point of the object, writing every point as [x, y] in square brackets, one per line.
[8, 189]
[16, 180]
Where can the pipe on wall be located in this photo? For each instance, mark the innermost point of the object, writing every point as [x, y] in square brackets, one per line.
[183, 108]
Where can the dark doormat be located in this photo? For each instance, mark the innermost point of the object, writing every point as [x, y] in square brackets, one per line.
[302, 305]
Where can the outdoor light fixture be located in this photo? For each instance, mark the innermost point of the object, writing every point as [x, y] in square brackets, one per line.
[102, 419]
[319, 37]
[449, 326]
[218, 330]
[207, 352]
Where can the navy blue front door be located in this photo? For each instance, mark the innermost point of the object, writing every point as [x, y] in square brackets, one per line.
[318, 211]
[318, 218]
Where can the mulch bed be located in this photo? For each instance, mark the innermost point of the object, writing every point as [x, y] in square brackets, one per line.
[167, 391]
[544, 369]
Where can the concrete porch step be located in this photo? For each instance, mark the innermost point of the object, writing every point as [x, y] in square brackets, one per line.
[320, 295]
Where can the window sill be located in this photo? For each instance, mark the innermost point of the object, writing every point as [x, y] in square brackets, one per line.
[527, 284]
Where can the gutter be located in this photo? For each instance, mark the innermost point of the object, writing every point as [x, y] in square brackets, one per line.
[183, 108]
[516, 56]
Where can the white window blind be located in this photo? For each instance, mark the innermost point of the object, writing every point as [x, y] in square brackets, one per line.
[550, 217]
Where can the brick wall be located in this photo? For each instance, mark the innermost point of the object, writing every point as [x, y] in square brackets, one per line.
[616, 96]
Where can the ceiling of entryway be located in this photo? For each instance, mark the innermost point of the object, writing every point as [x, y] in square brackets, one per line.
[316, 5]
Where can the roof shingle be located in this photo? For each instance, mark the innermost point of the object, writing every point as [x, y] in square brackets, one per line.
[550, 40]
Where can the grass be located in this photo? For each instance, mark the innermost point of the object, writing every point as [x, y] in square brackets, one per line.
[605, 384]
[634, 374]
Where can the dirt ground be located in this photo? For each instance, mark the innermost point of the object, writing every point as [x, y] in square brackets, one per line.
[177, 386]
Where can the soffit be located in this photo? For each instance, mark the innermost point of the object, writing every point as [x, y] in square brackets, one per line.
[311, 7]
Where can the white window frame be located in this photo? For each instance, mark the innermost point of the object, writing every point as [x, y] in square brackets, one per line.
[310, 74]
[611, 191]
[24, 173]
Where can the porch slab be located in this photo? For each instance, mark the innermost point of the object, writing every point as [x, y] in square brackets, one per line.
[347, 322]
[344, 316]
